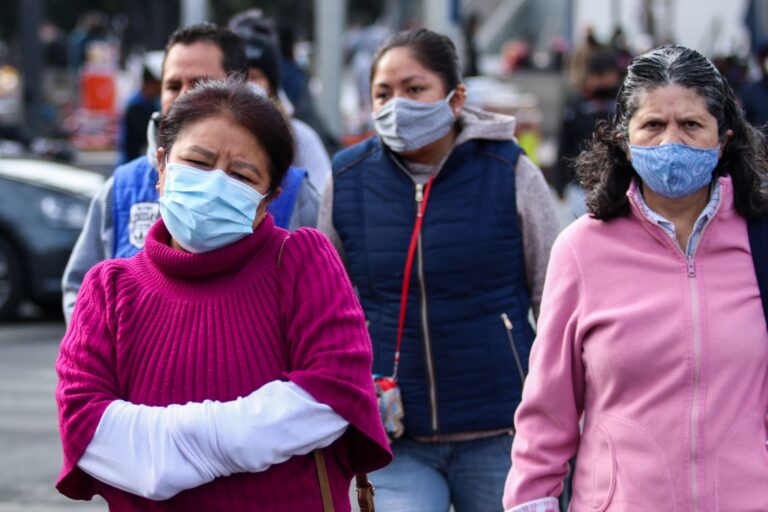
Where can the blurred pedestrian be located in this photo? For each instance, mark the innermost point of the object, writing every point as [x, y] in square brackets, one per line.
[92, 26]
[132, 138]
[263, 57]
[445, 226]
[227, 365]
[577, 61]
[472, 58]
[594, 102]
[651, 357]
[754, 94]
[293, 79]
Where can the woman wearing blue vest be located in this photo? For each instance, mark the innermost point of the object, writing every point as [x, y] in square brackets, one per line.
[445, 228]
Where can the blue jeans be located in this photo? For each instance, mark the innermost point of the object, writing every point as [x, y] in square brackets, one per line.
[429, 477]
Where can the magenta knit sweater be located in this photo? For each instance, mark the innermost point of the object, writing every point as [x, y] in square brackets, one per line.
[169, 327]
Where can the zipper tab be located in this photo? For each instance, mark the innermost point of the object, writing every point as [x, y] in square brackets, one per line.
[507, 322]
[419, 193]
[518, 361]
[691, 268]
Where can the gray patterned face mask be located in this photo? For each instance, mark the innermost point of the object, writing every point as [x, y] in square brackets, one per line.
[406, 125]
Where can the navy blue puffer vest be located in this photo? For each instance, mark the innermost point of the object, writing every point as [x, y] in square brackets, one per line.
[457, 372]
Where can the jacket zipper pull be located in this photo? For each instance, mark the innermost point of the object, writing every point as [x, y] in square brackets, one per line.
[507, 322]
[419, 198]
[518, 362]
[419, 193]
[691, 268]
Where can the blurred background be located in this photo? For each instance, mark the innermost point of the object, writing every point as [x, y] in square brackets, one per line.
[68, 69]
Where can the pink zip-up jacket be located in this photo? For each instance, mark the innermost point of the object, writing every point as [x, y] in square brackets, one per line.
[666, 359]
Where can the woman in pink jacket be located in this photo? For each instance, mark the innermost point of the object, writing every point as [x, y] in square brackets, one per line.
[651, 359]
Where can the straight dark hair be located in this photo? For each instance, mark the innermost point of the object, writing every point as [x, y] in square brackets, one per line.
[231, 46]
[606, 173]
[434, 51]
[236, 100]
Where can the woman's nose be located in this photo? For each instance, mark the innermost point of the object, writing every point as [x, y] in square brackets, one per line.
[671, 135]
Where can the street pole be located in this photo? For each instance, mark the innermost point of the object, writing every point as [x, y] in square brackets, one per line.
[330, 24]
[193, 12]
[443, 16]
[31, 15]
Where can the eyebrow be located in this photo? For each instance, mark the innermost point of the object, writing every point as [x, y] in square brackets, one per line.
[239, 164]
[206, 153]
[251, 167]
[403, 81]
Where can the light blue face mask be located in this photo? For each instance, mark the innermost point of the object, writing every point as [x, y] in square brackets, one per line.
[674, 170]
[206, 210]
[406, 125]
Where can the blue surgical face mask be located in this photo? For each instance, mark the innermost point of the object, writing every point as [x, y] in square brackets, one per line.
[206, 210]
[406, 125]
[674, 170]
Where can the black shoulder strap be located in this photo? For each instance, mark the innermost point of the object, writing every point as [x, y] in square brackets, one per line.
[758, 241]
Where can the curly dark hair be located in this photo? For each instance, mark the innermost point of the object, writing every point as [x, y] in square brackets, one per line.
[606, 173]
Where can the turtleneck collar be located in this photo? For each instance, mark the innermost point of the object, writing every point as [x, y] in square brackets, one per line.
[179, 264]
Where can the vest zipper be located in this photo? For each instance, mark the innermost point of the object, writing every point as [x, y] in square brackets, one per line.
[429, 361]
[509, 326]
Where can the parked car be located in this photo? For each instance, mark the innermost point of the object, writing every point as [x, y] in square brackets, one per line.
[43, 206]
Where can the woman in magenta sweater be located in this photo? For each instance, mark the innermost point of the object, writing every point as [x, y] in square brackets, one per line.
[651, 358]
[203, 373]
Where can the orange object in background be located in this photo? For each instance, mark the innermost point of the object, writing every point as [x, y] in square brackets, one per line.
[98, 92]
[94, 124]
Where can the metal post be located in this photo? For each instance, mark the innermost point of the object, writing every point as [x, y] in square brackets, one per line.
[442, 16]
[571, 7]
[193, 12]
[395, 14]
[437, 15]
[330, 24]
[31, 15]
[616, 14]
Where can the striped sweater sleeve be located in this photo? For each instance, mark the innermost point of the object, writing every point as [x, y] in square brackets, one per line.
[87, 379]
[328, 342]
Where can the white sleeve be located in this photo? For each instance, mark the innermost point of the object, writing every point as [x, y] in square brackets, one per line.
[547, 504]
[157, 452]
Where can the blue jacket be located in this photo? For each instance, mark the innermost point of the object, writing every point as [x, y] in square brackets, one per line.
[458, 372]
[135, 207]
